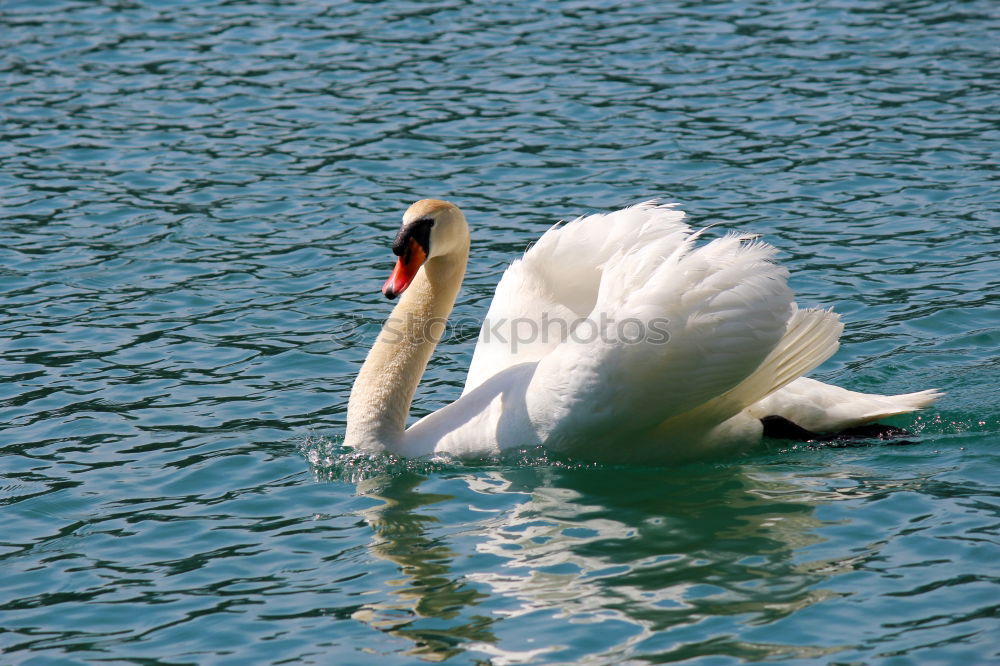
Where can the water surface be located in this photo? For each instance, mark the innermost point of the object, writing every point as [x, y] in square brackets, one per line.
[198, 201]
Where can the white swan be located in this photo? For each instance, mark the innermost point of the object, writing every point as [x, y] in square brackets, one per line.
[613, 339]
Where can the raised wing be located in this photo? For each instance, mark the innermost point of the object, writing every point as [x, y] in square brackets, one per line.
[700, 321]
[543, 297]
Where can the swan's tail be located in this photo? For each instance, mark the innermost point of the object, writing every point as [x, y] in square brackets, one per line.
[777, 387]
[820, 407]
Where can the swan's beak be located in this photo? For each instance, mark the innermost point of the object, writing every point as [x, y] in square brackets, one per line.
[406, 268]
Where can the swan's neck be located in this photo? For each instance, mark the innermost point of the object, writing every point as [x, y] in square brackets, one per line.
[382, 393]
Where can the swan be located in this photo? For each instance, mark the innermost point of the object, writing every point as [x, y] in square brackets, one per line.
[615, 338]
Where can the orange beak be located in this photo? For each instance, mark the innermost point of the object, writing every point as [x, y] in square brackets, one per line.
[405, 270]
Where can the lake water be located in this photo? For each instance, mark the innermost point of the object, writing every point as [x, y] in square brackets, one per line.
[199, 199]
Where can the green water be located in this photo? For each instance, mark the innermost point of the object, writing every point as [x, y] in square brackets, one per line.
[198, 202]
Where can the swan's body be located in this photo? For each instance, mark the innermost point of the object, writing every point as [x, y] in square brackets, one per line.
[614, 338]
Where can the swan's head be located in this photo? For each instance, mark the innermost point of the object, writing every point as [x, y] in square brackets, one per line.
[431, 228]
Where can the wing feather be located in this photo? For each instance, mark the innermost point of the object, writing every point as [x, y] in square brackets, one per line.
[543, 296]
[724, 305]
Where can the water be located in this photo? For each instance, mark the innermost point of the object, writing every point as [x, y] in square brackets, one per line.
[198, 202]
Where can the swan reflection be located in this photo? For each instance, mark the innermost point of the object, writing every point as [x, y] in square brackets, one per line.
[660, 550]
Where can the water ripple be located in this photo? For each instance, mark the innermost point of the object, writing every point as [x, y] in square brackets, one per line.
[197, 204]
